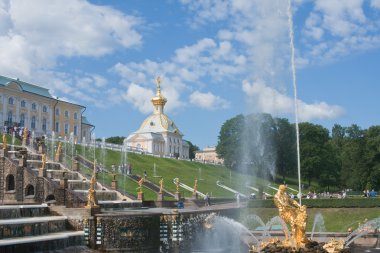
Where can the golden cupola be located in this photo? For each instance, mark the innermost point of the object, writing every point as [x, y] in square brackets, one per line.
[159, 101]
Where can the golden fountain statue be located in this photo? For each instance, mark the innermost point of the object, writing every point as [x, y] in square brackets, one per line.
[58, 152]
[24, 136]
[195, 188]
[4, 142]
[294, 214]
[91, 197]
[43, 159]
[177, 184]
[161, 185]
[140, 182]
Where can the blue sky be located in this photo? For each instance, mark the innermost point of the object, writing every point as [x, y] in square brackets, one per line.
[216, 59]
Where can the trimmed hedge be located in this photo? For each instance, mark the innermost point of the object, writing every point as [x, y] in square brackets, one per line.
[324, 203]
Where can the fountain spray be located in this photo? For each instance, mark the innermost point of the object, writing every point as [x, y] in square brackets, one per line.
[291, 37]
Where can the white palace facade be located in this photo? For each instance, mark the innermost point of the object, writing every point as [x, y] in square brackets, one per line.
[158, 134]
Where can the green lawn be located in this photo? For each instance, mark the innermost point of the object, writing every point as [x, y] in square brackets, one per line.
[335, 219]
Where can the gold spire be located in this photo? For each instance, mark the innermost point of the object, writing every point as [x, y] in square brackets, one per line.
[159, 99]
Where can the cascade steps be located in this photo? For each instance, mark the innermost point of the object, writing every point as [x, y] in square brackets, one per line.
[24, 227]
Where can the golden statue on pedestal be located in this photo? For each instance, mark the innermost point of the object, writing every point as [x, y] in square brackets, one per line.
[58, 152]
[177, 184]
[43, 159]
[195, 188]
[4, 142]
[91, 197]
[140, 182]
[25, 136]
[161, 185]
[294, 214]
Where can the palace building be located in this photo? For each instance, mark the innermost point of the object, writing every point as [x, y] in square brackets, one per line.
[31, 106]
[158, 134]
[208, 155]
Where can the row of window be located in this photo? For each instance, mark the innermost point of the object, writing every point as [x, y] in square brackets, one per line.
[44, 123]
[44, 108]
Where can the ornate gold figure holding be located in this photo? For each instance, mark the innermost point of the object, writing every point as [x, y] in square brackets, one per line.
[91, 197]
[58, 152]
[195, 188]
[140, 182]
[25, 136]
[161, 185]
[43, 159]
[177, 183]
[294, 214]
[4, 142]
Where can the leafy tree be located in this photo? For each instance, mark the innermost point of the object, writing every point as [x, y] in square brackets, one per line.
[116, 140]
[372, 158]
[353, 163]
[192, 149]
[313, 139]
[286, 162]
[229, 141]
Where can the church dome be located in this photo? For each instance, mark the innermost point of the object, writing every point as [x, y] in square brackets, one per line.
[158, 122]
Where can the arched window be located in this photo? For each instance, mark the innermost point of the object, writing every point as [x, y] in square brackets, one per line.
[75, 115]
[10, 100]
[44, 124]
[23, 103]
[10, 118]
[29, 190]
[33, 123]
[10, 183]
[34, 106]
[22, 120]
[44, 108]
[66, 114]
[57, 111]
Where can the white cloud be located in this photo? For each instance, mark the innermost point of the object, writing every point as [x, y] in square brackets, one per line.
[269, 100]
[208, 100]
[139, 97]
[36, 36]
[375, 4]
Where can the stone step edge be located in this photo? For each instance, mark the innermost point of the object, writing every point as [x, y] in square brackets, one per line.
[22, 206]
[40, 238]
[37, 219]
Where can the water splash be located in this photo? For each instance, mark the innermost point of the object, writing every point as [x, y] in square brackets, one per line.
[318, 225]
[368, 227]
[294, 76]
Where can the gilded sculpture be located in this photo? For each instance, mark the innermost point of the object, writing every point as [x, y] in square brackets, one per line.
[4, 142]
[25, 136]
[140, 182]
[195, 188]
[177, 184]
[91, 197]
[58, 152]
[294, 214]
[43, 159]
[161, 185]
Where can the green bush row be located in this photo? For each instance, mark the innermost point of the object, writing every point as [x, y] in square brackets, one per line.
[324, 203]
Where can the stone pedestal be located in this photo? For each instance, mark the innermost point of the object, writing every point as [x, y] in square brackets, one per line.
[76, 166]
[160, 196]
[42, 172]
[63, 183]
[4, 152]
[22, 161]
[93, 210]
[58, 158]
[194, 196]
[177, 196]
[114, 185]
[140, 196]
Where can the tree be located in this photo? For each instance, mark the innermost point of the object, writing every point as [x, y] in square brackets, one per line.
[192, 149]
[286, 162]
[116, 140]
[229, 141]
[313, 139]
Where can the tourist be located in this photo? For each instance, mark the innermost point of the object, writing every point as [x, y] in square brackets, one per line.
[145, 174]
[206, 199]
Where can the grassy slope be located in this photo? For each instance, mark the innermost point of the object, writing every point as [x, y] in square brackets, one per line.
[169, 169]
[335, 219]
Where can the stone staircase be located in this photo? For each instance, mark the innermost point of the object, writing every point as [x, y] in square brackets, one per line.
[31, 228]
